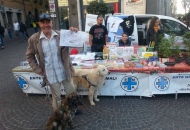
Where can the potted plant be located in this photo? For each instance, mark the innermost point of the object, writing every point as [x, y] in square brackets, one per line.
[176, 53]
[186, 41]
[164, 49]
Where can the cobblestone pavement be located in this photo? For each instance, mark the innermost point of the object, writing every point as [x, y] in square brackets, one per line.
[18, 112]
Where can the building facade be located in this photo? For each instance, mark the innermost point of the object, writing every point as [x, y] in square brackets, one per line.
[21, 10]
[161, 7]
[73, 12]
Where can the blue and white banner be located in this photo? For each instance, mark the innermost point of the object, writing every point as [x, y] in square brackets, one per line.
[118, 84]
[167, 83]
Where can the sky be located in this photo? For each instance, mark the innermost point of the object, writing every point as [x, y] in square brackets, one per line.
[180, 9]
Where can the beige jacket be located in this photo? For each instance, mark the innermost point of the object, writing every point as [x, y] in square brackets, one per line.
[35, 49]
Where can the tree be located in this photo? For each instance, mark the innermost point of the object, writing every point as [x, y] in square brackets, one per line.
[186, 5]
[98, 8]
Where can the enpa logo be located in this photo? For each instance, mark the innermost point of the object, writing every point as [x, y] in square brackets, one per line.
[22, 82]
[162, 83]
[129, 83]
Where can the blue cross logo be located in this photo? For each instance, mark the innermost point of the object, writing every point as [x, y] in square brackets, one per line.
[22, 82]
[129, 83]
[162, 83]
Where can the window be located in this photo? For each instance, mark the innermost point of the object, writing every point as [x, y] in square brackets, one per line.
[172, 27]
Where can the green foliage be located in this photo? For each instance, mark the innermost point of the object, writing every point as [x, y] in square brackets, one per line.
[175, 48]
[98, 8]
[186, 41]
[165, 46]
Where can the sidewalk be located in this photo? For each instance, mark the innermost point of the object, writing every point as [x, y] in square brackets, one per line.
[30, 32]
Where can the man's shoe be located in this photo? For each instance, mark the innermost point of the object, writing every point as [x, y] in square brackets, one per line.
[78, 112]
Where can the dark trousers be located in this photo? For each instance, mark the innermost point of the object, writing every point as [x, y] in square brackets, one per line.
[1, 40]
[97, 48]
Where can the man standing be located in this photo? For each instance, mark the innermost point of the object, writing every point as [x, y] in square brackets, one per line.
[16, 28]
[2, 31]
[98, 36]
[54, 60]
[23, 29]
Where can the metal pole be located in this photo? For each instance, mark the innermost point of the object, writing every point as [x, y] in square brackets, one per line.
[79, 15]
[82, 15]
[57, 19]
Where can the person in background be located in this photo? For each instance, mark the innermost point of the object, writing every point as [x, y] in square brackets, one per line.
[16, 28]
[124, 41]
[98, 36]
[34, 25]
[2, 31]
[154, 33]
[54, 60]
[23, 29]
[9, 30]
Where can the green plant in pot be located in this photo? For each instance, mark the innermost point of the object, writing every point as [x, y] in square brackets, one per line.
[176, 53]
[164, 49]
[186, 42]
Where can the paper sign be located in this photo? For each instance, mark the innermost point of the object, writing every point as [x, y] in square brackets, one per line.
[71, 39]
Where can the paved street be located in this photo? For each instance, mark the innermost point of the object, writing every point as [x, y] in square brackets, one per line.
[18, 112]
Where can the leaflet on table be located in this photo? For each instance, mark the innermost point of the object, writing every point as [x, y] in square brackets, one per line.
[101, 62]
[139, 49]
[72, 39]
[120, 52]
[78, 58]
[113, 51]
[89, 56]
[128, 51]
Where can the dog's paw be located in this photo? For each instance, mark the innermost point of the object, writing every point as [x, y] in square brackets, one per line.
[92, 103]
[97, 100]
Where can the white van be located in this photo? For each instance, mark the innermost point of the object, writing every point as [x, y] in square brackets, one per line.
[140, 23]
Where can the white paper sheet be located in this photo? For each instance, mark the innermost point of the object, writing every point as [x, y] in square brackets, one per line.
[72, 39]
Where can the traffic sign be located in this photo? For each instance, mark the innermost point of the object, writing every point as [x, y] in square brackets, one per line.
[52, 7]
[51, 1]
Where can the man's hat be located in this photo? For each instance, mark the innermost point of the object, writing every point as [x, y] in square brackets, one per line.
[44, 16]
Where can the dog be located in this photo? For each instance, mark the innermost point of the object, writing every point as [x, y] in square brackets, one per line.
[62, 117]
[91, 79]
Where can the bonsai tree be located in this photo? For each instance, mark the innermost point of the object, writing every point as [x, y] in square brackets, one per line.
[164, 47]
[175, 48]
[186, 41]
[175, 51]
[98, 8]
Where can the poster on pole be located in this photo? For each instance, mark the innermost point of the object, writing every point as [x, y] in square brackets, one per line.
[134, 6]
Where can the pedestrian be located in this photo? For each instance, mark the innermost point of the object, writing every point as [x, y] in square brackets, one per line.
[2, 31]
[98, 36]
[23, 30]
[53, 60]
[34, 25]
[9, 30]
[154, 33]
[16, 28]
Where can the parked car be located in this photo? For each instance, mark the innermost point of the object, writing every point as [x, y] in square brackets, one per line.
[169, 25]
